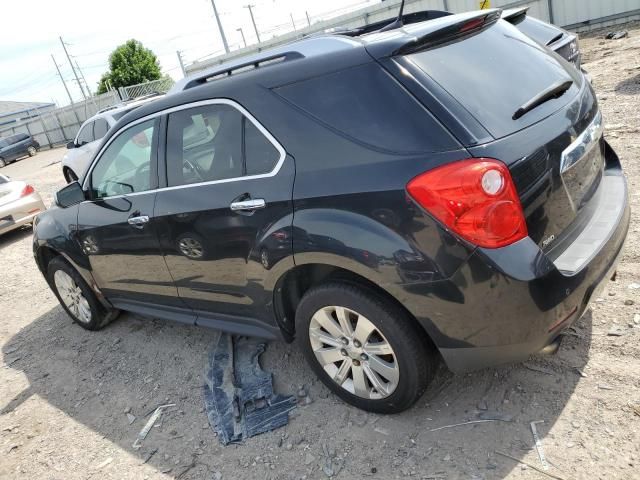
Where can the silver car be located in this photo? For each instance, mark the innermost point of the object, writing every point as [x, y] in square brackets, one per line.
[19, 204]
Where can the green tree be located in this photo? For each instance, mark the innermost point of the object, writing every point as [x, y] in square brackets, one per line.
[129, 64]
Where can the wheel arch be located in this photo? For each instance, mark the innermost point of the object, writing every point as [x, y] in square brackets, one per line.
[293, 284]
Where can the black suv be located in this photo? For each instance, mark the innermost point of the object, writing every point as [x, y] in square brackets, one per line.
[441, 190]
[15, 146]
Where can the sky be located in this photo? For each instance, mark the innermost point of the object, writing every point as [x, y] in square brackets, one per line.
[91, 30]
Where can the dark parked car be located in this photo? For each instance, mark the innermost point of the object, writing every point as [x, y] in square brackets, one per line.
[440, 191]
[16, 146]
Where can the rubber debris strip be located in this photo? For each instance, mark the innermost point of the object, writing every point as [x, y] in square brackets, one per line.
[238, 394]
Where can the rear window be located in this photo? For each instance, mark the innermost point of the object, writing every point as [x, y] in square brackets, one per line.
[495, 72]
[367, 105]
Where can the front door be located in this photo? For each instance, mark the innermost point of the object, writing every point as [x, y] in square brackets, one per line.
[225, 216]
[116, 229]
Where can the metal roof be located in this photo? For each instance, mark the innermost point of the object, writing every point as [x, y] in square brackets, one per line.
[12, 108]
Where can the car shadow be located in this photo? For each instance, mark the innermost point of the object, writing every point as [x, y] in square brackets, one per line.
[15, 236]
[629, 86]
[137, 364]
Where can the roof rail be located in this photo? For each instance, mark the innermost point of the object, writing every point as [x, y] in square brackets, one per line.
[228, 70]
[308, 47]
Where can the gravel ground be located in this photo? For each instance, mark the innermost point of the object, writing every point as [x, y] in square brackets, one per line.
[65, 393]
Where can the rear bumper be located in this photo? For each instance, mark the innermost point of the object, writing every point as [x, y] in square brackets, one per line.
[20, 212]
[505, 304]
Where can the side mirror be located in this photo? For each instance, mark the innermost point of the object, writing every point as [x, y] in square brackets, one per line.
[71, 145]
[70, 195]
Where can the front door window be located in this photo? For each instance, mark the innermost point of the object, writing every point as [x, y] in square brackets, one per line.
[125, 166]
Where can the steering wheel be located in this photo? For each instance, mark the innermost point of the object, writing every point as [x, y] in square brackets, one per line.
[195, 168]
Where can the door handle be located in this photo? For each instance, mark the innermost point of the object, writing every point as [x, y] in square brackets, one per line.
[248, 205]
[138, 222]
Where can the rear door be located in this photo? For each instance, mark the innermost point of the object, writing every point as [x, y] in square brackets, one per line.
[116, 229]
[228, 198]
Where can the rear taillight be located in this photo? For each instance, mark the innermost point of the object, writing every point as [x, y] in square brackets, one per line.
[475, 198]
[27, 190]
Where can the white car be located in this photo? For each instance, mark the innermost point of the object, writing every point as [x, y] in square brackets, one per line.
[81, 150]
[19, 204]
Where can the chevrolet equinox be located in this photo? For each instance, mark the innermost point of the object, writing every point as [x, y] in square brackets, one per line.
[435, 191]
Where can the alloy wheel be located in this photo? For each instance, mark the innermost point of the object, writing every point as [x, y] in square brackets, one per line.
[191, 248]
[353, 352]
[31, 151]
[72, 296]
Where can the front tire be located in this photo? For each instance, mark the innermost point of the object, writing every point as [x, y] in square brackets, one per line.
[32, 151]
[3, 163]
[364, 348]
[76, 297]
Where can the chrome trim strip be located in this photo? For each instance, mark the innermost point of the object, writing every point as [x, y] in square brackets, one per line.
[579, 149]
[215, 101]
[583, 144]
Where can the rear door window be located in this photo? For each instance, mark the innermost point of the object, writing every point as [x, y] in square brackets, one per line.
[215, 142]
[495, 72]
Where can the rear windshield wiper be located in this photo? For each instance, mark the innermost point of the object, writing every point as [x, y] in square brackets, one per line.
[554, 91]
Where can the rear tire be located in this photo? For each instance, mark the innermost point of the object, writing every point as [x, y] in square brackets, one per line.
[76, 297]
[31, 151]
[383, 363]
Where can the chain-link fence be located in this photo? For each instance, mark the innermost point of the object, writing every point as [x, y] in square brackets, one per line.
[157, 86]
[59, 126]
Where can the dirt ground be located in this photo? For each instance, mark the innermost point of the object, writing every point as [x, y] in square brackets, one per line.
[65, 392]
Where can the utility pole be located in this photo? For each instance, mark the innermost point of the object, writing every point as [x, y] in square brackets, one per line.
[308, 19]
[253, 21]
[75, 74]
[293, 23]
[84, 80]
[62, 79]
[224, 38]
[244, 40]
[184, 72]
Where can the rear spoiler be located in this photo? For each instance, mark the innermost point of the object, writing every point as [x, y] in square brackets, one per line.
[514, 14]
[447, 29]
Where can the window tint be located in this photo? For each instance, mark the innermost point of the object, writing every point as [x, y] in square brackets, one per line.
[100, 128]
[482, 71]
[86, 134]
[368, 105]
[125, 166]
[260, 154]
[206, 144]
[21, 136]
[4, 142]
